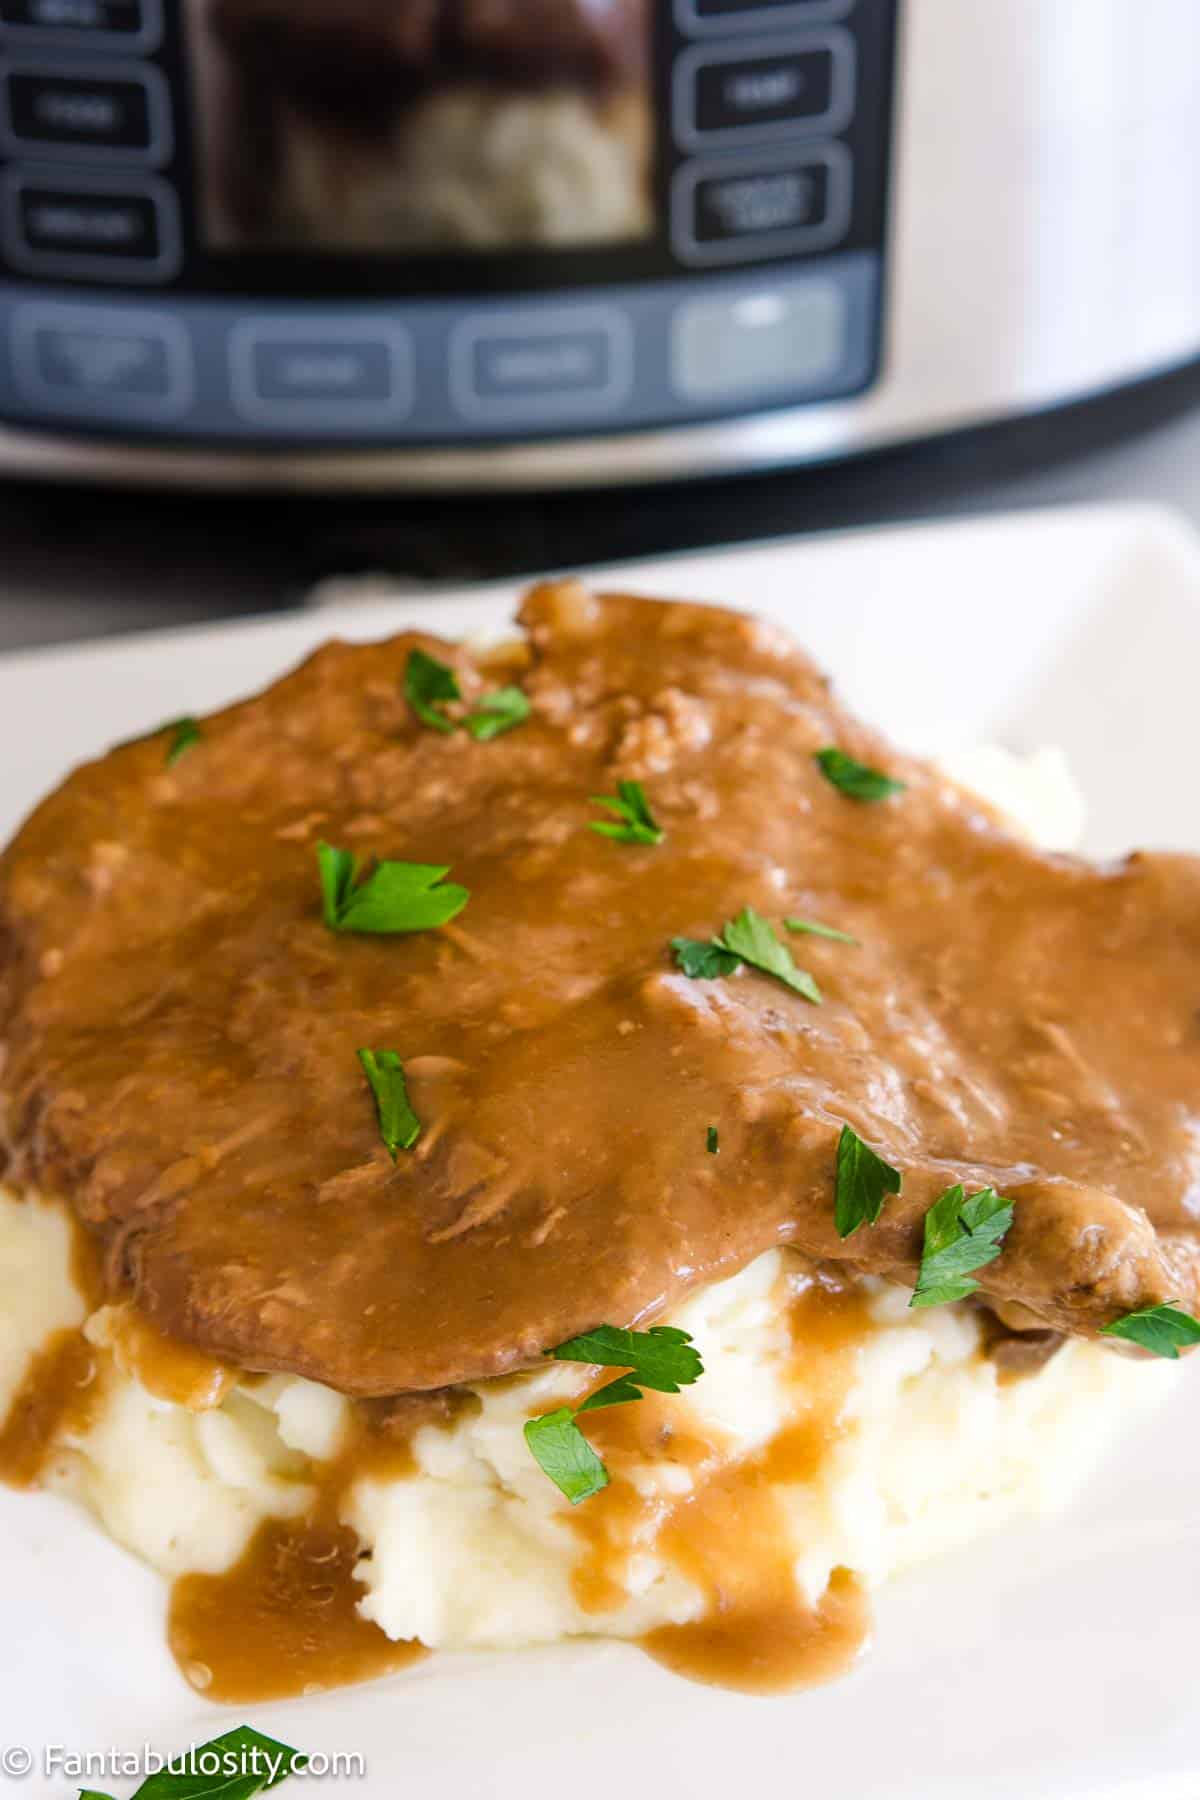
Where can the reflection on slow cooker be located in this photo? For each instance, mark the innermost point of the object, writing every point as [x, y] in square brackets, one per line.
[433, 124]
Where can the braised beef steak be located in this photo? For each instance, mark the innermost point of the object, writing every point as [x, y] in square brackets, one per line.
[180, 1026]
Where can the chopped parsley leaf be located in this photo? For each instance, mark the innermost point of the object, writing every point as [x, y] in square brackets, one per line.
[751, 937]
[633, 822]
[714, 1141]
[811, 928]
[185, 735]
[856, 779]
[751, 940]
[663, 1358]
[960, 1235]
[426, 682]
[395, 897]
[1162, 1330]
[747, 939]
[864, 1181]
[564, 1454]
[399, 1126]
[702, 961]
[497, 713]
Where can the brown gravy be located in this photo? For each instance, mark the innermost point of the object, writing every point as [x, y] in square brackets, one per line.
[283, 1621]
[728, 1536]
[767, 1645]
[55, 1398]
[166, 1367]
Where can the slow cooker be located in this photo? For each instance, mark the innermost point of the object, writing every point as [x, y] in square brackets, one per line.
[497, 243]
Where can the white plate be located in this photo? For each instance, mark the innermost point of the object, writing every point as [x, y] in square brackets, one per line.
[1051, 1663]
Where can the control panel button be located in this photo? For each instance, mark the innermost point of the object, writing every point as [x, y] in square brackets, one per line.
[698, 17]
[322, 374]
[102, 362]
[569, 363]
[126, 231]
[729, 349]
[98, 24]
[111, 112]
[739, 208]
[781, 88]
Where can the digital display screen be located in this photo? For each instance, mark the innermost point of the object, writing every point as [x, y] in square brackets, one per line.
[394, 127]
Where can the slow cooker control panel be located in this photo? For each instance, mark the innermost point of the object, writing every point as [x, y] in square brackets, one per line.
[166, 271]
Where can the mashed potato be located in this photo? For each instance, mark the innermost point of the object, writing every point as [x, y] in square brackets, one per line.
[923, 1443]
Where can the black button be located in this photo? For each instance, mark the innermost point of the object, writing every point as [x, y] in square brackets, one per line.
[58, 220]
[784, 87]
[704, 10]
[740, 206]
[764, 90]
[735, 209]
[73, 111]
[131, 20]
[92, 227]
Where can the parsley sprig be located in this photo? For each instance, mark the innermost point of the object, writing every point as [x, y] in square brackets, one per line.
[395, 897]
[1163, 1330]
[497, 713]
[236, 1766]
[663, 1359]
[185, 735]
[399, 1126]
[633, 822]
[855, 779]
[960, 1235]
[703, 960]
[813, 928]
[747, 939]
[864, 1182]
[428, 684]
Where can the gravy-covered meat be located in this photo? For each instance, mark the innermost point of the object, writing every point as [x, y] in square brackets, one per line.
[181, 1026]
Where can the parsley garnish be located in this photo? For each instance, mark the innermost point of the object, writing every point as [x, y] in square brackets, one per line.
[399, 1126]
[746, 939]
[751, 937]
[1160, 1329]
[714, 1141]
[236, 1766]
[856, 779]
[564, 1454]
[426, 681]
[637, 824]
[497, 713]
[702, 961]
[395, 897]
[960, 1235]
[864, 1181]
[663, 1358]
[185, 734]
[811, 928]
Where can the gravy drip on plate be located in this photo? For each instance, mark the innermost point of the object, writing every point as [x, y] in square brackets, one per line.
[284, 1620]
